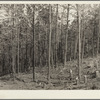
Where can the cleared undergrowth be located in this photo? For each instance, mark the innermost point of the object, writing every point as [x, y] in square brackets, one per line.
[61, 79]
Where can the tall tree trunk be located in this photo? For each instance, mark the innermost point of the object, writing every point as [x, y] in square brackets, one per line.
[62, 50]
[13, 53]
[20, 46]
[98, 33]
[56, 38]
[66, 36]
[83, 36]
[76, 40]
[18, 51]
[49, 49]
[39, 43]
[79, 42]
[33, 61]
[26, 60]
[61, 36]
[93, 40]
[13, 49]
[3, 62]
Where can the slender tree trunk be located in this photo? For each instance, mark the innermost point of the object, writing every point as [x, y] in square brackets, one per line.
[79, 42]
[61, 38]
[46, 39]
[26, 60]
[38, 43]
[62, 50]
[52, 57]
[93, 40]
[83, 45]
[49, 50]
[71, 45]
[98, 33]
[13, 54]
[18, 52]
[3, 62]
[13, 50]
[66, 36]
[83, 36]
[76, 41]
[56, 38]
[76, 45]
[33, 61]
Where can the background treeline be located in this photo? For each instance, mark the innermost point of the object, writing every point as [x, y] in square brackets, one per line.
[44, 35]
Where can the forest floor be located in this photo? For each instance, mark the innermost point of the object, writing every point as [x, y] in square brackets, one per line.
[60, 78]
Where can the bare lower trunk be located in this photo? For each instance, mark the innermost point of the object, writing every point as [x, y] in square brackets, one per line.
[66, 36]
[79, 42]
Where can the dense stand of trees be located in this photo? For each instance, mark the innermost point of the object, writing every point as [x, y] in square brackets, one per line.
[45, 35]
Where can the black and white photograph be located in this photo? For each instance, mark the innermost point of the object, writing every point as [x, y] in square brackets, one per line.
[49, 46]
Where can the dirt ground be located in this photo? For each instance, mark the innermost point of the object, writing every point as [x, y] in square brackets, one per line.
[61, 79]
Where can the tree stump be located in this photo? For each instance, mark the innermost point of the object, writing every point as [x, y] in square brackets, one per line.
[97, 74]
[77, 80]
[96, 63]
[85, 79]
[71, 74]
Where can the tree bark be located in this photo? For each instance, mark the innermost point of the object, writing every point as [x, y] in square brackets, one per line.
[49, 50]
[56, 38]
[66, 36]
[18, 51]
[98, 33]
[33, 61]
[79, 42]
